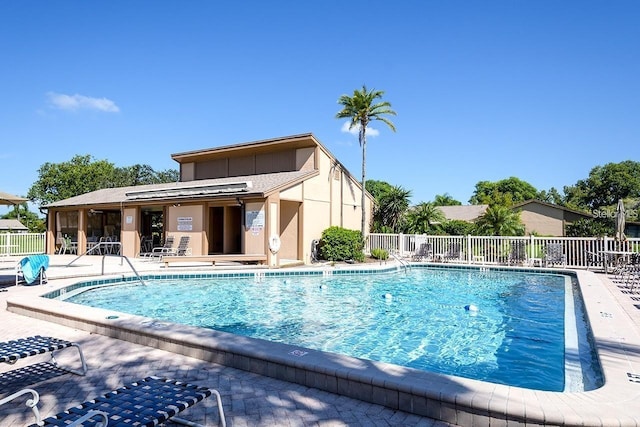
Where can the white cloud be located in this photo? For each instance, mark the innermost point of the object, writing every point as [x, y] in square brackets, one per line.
[354, 130]
[81, 102]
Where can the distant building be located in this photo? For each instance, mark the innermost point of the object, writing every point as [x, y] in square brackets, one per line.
[12, 226]
[467, 213]
[545, 219]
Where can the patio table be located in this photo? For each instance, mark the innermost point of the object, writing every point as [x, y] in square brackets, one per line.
[616, 254]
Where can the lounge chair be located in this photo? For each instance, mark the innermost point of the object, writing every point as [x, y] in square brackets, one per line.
[183, 248]
[424, 252]
[517, 253]
[554, 255]
[32, 269]
[453, 253]
[14, 350]
[158, 251]
[148, 402]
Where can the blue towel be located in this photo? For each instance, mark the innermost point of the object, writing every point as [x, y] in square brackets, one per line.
[32, 265]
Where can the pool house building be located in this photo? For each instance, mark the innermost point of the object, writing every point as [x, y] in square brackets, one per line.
[242, 201]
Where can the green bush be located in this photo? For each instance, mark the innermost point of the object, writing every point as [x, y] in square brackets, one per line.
[379, 253]
[341, 244]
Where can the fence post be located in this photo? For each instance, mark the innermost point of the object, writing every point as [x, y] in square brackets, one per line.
[532, 242]
[401, 244]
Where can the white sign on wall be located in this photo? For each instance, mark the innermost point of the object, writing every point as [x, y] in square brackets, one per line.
[254, 220]
[185, 223]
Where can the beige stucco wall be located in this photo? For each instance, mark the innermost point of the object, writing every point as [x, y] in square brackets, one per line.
[129, 235]
[542, 220]
[255, 228]
[294, 193]
[305, 158]
[187, 171]
[187, 220]
[330, 199]
[289, 228]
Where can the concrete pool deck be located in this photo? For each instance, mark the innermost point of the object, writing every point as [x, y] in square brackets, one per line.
[614, 318]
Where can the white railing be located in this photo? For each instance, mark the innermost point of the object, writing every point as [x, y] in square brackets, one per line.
[580, 252]
[22, 243]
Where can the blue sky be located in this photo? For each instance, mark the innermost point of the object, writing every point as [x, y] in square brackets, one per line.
[542, 90]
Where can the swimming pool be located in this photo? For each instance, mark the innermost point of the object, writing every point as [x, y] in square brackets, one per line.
[416, 319]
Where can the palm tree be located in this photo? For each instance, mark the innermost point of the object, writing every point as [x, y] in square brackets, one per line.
[500, 220]
[422, 218]
[393, 206]
[362, 109]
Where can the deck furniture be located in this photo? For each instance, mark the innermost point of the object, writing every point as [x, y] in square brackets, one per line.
[151, 401]
[32, 269]
[158, 251]
[22, 348]
[554, 255]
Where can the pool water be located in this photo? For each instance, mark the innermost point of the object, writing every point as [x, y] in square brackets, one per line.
[496, 326]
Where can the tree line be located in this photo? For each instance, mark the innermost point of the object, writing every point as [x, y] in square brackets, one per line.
[82, 174]
[600, 191]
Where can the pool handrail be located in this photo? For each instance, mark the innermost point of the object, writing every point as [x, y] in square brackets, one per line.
[104, 255]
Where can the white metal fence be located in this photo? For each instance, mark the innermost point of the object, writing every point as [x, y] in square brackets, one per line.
[579, 251]
[22, 243]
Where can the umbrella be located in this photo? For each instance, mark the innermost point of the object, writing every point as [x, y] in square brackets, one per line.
[620, 220]
[10, 199]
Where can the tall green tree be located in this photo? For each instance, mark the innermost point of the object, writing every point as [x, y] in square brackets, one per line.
[393, 206]
[499, 220]
[361, 108]
[83, 174]
[423, 218]
[378, 188]
[552, 196]
[445, 200]
[142, 175]
[605, 185]
[504, 192]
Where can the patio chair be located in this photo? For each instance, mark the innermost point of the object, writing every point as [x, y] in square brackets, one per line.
[183, 248]
[423, 253]
[32, 269]
[554, 255]
[453, 253]
[151, 401]
[67, 246]
[158, 251]
[517, 253]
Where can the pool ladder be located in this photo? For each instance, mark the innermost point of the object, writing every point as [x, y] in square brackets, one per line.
[402, 262]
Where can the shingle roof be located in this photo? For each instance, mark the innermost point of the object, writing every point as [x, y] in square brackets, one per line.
[463, 212]
[12, 224]
[260, 185]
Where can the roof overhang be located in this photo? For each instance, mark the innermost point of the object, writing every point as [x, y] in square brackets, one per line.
[255, 147]
[190, 191]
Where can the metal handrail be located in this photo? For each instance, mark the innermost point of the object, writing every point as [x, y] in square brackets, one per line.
[402, 262]
[104, 255]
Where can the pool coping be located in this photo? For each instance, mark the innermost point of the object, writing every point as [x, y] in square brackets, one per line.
[452, 399]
